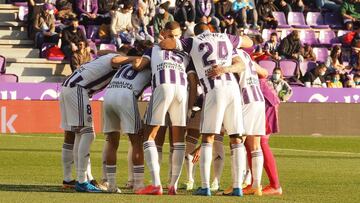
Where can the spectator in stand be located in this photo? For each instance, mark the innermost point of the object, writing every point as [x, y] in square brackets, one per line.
[308, 53]
[271, 47]
[258, 53]
[334, 61]
[65, 12]
[266, 18]
[80, 56]
[350, 11]
[245, 12]
[282, 88]
[290, 47]
[122, 29]
[146, 12]
[355, 57]
[185, 14]
[357, 80]
[315, 77]
[87, 11]
[205, 12]
[225, 14]
[34, 7]
[296, 5]
[161, 18]
[328, 5]
[71, 36]
[283, 6]
[104, 10]
[44, 26]
[350, 83]
[335, 81]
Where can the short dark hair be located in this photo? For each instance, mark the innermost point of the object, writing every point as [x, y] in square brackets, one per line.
[273, 34]
[200, 28]
[172, 25]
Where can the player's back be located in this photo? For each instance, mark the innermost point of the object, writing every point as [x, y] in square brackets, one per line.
[94, 75]
[128, 78]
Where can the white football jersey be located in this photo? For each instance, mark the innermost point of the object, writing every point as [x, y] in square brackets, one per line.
[127, 77]
[94, 75]
[249, 80]
[167, 66]
[208, 49]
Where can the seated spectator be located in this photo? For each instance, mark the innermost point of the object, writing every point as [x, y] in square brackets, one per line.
[34, 8]
[349, 83]
[335, 81]
[80, 56]
[355, 57]
[328, 5]
[334, 61]
[296, 5]
[146, 12]
[185, 14]
[245, 12]
[71, 36]
[315, 77]
[266, 18]
[281, 87]
[225, 14]
[290, 47]
[283, 6]
[308, 53]
[350, 11]
[271, 47]
[87, 11]
[161, 18]
[258, 53]
[122, 30]
[44, 26]
[104, 10]
[205, 12]
[356, 80]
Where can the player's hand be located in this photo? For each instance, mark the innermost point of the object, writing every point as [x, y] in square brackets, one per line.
[196, 154]
[216, 71]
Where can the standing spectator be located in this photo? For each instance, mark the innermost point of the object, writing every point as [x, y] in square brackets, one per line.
[87, 11]
[281, 87]
[80, 56]
[327, 4]
[290, 47]
[308, 53]
[271, 47]
[161, 18]
[350, 11]
[245, 9]
[266, 18]
[335, 81]
[122, 29]
[185, 14]
[146, 12]
[34, 7]
[315, 77]
[205, 12]
[334, 61]
[44, 26]
[104, 10]
[225, 14]
[71, 36]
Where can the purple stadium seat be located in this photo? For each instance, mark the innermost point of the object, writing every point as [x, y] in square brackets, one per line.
[328, 38]
[266, 34]
[110, 47]
[316, 20]
[146, 95]
[342, 32]
[23, 13]
[333, 19]
[2, 64]
[93, 48]
[20, 3]
[280, 17]
[321, 53]
[285, 33]
[306, 66]
[269, 65]
[92, 33]
[308, 37]
[8, 78]
[297, 20]
[288, 67]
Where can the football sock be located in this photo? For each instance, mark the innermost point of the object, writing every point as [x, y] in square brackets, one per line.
[177, 162]
[205, 164]
[76, 152]
[138, 176]
[170, 164]
[218, 158]
[159, 150]
[237, 162]
[257, 160]
[152, 160]
[89, 175]
[67, 160]
[190, 167]
[87, 137]
[111, 175]
[269, 163]
[104, 177]
[130, 163]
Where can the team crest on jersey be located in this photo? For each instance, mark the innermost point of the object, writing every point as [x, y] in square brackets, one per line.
[89, 119]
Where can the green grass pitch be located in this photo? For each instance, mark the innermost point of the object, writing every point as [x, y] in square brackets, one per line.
[312, 169]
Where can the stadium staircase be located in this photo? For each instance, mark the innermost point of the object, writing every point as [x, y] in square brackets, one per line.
[22, 58]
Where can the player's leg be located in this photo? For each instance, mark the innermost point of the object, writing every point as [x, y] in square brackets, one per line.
[104, 184]
[171, 151]
[68, 159]
[191, 141]
[130, 181]
[218, 161]
[113, 144]
[137, 160]
[159, 141]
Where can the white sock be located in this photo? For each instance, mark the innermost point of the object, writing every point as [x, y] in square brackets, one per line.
[218, 158]
[247, 172]
[205, 164]
[111, 175]
[159, 150]
[170, 159]
[130, 163]
[152, 160]
[104, 176]
[257, 160]
[237, 162]
[190, 167]
[76, 152]
[177, 162]
[67, 160]
[138, 176]
[87, 137]
[88, 172]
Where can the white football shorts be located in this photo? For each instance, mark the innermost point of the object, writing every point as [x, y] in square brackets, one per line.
[254, 118]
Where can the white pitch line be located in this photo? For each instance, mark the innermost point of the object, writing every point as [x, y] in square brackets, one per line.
[315, 151]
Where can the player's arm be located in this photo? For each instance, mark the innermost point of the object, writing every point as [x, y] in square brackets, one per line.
[193, 82]
[181, 45]
[141, 63]
[168, 44]
[237, 66]
[120, 60]
[240, 41]
[104, 52]
[262, 72]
